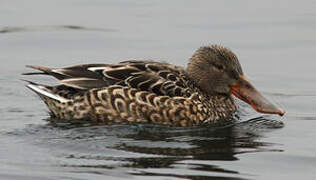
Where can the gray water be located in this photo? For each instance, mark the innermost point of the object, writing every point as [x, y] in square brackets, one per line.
[274, 40]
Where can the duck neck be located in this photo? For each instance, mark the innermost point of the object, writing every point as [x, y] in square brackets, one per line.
[217, 106]
[220, 107]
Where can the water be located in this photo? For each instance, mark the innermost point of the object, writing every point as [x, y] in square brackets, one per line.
[275, 42]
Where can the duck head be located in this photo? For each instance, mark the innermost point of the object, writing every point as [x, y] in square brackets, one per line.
[216, 70]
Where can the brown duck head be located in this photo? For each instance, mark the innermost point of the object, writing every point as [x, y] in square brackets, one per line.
[216, 70]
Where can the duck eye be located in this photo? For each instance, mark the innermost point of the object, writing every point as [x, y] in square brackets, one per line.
[219, 66]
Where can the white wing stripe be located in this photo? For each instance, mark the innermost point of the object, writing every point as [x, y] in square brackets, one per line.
[46, 93]
[96, 68]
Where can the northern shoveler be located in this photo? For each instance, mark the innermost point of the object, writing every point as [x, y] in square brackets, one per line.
[152, 92]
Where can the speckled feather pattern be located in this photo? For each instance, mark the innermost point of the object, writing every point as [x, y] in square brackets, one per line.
[132, 92]
[121, 105]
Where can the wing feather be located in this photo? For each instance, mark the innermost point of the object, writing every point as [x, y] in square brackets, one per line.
[157, 77]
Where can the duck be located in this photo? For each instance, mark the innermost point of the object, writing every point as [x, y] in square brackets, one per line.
[146, 91]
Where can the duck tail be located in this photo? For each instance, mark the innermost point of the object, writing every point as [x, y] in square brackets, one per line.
[45, 92]
[42, 69]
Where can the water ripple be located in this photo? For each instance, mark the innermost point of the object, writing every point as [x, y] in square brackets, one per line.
[151, 149]
[12, 29]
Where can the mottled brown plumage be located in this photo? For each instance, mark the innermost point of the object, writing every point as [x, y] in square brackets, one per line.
[146, 91]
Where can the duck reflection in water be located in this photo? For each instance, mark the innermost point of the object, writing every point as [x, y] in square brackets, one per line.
[159, 147]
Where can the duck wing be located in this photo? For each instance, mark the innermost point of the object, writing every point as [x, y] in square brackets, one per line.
[157, 77]
[78, 77]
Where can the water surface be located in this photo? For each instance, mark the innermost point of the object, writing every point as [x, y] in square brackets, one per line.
[274, 40]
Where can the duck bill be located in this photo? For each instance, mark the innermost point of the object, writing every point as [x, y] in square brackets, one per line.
[243, 90]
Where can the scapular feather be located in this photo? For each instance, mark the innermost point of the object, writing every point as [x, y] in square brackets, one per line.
[159, 78]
